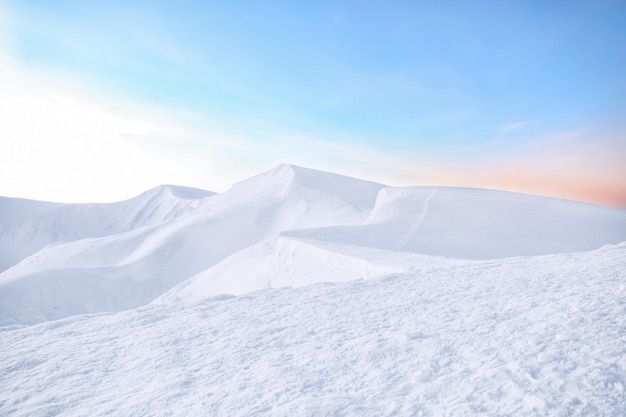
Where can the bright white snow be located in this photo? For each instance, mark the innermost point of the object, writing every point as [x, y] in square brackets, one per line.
[132, 266]
[410, 301]
[286, 227]
[534, 336]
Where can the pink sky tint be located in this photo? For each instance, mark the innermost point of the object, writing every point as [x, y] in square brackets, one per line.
[591, 170]
[596, 189]
[575, 187]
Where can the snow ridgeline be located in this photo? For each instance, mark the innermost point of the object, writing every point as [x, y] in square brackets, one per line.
[290, 226]
[524, 336]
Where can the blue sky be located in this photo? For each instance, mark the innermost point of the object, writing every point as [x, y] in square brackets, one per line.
[527, 96]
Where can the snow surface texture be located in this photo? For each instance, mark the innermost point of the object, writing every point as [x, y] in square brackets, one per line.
[527, 336]
[411, 301]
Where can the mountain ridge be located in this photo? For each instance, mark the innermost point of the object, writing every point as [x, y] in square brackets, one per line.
[286, 226]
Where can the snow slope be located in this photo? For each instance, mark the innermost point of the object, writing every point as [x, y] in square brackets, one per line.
[354, 299]
[521, 336]
[26, 226]
[478, 224]
[290, 226]
[130, 268]
[442, 221]
[291, 262]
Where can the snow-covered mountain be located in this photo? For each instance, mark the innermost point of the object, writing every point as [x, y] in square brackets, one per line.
[161, 239]
[290, 226]
[27, 226]
[424, 301]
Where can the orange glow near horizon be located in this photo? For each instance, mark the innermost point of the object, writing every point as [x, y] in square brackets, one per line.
[589, 167]
[595, 192]
[603, 188]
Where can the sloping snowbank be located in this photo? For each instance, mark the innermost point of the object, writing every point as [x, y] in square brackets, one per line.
[518, 336]
[478, 224]
[292, 262]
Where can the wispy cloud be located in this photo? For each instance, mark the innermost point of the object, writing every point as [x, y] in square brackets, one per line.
[511, 127]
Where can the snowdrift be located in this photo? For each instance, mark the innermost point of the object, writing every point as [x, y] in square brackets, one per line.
[478, 224]
[290, 226]
[523, 336]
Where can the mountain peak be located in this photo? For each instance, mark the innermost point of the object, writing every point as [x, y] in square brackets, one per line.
[179, 191]
[288, 178]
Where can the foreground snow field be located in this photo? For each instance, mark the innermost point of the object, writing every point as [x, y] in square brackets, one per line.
[305, 293]
[528, 336]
